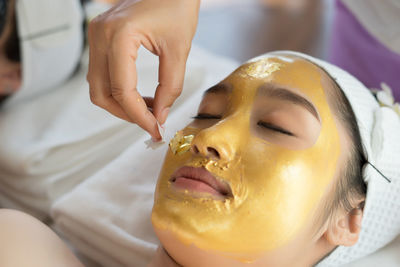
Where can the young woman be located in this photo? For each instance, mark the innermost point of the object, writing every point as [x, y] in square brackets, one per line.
[273, 176]
[277, 169]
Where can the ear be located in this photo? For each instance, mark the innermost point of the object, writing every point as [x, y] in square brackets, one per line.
[345, 228]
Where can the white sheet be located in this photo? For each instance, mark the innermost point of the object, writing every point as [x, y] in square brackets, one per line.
[389, 256]
[49, 145]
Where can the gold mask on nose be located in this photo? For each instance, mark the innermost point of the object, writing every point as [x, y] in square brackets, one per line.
[275, 189]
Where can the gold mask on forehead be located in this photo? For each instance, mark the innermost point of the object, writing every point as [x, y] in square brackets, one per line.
[275, 190]
[260, 69]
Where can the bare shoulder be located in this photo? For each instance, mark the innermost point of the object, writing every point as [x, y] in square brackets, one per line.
[26, 241]
[7, 216]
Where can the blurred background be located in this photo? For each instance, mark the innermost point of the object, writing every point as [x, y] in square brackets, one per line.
[242, 29]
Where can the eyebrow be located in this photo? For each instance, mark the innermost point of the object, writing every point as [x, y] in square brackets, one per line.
[287, 95]
[220, 88]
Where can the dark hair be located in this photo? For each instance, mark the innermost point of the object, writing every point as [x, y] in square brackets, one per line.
[11, 47]
[3, 13]
[350, 185]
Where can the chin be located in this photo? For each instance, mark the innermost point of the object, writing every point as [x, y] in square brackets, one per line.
[189, 255]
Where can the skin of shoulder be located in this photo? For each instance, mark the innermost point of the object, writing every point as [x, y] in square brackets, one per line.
[25, 241]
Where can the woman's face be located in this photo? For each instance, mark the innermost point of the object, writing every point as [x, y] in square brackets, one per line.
[265, 152]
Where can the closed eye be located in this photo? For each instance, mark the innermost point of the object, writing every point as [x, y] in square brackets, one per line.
[206, 116]
[275, 128]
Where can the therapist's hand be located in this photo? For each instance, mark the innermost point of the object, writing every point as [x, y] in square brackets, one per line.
[164, 27]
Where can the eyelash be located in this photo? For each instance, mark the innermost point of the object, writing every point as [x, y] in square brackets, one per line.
[274, 128]
[269, 126]
[205, 116]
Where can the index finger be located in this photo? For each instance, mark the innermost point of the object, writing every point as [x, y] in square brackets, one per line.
[123, 80]
[171, 75]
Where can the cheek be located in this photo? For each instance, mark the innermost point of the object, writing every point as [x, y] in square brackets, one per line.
[285, 183]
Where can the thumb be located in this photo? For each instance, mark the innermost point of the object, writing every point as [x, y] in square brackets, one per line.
[171, 74]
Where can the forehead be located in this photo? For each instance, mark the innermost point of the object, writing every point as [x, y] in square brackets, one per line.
[291, 73]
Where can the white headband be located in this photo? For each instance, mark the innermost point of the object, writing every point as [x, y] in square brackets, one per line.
[380, 134]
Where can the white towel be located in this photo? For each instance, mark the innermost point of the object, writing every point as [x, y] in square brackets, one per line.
[389, 256]
[108, 216]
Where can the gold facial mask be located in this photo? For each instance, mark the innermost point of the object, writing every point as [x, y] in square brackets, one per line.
[260, 69]
[275, 190]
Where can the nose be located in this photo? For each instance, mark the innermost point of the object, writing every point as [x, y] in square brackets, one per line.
[209, 151]
[220, 142]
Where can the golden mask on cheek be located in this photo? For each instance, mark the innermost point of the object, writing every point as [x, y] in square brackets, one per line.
[270, 145]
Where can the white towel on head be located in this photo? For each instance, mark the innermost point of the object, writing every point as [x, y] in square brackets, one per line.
[107, 217]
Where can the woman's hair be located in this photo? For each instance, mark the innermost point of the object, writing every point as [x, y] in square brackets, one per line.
[350, 186]
[11, 45]
[3, 13]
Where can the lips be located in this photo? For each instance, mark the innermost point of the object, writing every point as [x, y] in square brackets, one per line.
[200, 180]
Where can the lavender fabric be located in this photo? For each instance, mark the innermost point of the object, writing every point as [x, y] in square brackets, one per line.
[358, 52]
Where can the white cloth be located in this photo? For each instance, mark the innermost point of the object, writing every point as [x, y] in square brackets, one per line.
[380, 135]
[50, 43]
[52, 142]
[388, 256]
[107, 217]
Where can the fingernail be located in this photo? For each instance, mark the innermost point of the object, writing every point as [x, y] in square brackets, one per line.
[164, 115]
[158, 138]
